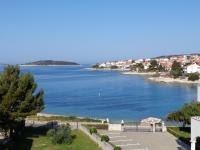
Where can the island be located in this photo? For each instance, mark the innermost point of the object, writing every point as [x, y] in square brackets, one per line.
[49, 63]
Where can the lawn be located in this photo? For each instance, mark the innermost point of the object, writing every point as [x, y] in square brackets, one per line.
[182, 134]
[36, 139]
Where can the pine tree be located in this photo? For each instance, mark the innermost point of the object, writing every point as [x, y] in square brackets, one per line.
[18, 98]
[176, 70]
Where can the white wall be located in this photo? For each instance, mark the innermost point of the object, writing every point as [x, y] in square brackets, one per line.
[195, 128]
[114, 127]
[198, 92]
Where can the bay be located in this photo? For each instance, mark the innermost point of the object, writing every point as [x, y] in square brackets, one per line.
[73, 90]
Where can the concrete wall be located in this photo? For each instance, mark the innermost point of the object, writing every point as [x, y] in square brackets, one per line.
[195, 128]
[114, 127]
[198, 92]
[96, 139]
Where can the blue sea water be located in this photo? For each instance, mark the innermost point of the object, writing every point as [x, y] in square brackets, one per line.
[73, 90]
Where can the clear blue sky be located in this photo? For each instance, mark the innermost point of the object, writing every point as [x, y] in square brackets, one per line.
[96, 30]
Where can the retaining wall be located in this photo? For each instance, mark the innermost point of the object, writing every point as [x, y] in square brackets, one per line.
[96, 139]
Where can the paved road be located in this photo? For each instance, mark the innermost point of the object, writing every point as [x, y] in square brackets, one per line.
[145, 140]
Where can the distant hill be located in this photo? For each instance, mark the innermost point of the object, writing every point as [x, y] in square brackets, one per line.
[50, 63]
[168, 56]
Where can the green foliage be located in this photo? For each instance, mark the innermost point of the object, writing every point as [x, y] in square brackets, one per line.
[93, 130]
[113, 67]
[61, 135]
[34, 138]
[182, 133]
[184, 114]
[51, 132]
[105, 138]
[137, 67]
[176, 69]
[62, 118]
[117, 148]
[18, 98]
[153, 65]
[161, 68]
[98, 126]
[193, 76]
[95, 66]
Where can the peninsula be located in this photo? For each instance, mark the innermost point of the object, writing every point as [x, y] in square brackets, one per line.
[49, 63]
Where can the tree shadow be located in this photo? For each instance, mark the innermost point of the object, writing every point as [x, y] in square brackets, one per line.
[185, 129]
[24, 141]
[198, 143]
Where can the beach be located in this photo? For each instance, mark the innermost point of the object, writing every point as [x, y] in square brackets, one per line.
[139, 73]
[172, 80]
[149, 76]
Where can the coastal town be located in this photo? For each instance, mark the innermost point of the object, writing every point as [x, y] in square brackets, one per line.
[173, 68]
[190, 62]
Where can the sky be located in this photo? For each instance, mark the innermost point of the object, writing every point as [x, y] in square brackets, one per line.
[89, 31]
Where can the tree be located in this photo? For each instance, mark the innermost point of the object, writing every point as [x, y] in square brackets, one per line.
[184, 114]
[95, 66]
[153, 65]
[161, 68]
[137, 67]
[113, 67]
[18, 98]
[176, 69]
[193, 76]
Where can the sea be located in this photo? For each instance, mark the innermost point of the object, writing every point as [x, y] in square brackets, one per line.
[77, 91]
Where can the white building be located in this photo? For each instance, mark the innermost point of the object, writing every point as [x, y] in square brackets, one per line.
[193, 68]
[102, 65]
[139, 61]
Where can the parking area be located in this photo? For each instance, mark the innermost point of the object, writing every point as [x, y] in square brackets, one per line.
[144, 140]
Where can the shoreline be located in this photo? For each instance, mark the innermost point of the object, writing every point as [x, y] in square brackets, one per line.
[172, 80]
[49, 115]
[149, 76]
[139, 73]
[103, 69]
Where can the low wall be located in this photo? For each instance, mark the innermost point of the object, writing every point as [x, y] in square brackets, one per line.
[115, 127]
[97, 139]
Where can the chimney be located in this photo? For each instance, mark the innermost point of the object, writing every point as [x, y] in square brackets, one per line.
[198, 92]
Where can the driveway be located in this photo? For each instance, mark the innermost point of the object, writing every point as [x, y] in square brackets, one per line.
[145, 140]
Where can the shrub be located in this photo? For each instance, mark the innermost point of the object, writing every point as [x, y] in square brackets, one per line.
[105, 138]
[61, 135]
[117, 148]
[113, 67]
[93, 130]
[95, 66]
[193, 76]
[98, 126]
[51, 132]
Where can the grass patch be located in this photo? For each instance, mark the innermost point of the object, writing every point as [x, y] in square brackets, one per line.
[183, 134]
[62, 118]
[36, 139]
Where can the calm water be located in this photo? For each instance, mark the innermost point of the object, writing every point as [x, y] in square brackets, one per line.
[102, 94]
